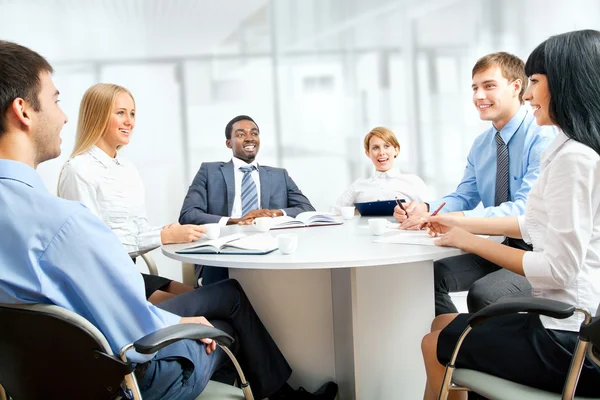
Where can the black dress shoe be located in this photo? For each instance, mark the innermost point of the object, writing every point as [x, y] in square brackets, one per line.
[326, 392]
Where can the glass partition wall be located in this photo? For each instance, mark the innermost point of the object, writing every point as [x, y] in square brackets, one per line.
[316, 75]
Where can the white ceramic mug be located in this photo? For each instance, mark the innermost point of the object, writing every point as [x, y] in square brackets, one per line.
[263, 224]
[377, 226]
[212, 230]
[348, 212]
[287, 243]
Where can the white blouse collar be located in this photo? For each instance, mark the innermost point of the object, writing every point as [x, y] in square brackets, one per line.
[391, 173]
[104, 158]
[555, 145]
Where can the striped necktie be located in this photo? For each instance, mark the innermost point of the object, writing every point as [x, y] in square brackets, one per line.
[501, 171]
[249, 192]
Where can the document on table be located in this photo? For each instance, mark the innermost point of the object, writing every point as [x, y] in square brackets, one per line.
[411, 237]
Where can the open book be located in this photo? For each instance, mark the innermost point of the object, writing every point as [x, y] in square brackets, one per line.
[238, 243]
[307, 218]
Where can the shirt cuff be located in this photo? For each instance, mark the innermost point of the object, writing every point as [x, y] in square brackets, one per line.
[523, 229]
[223, 221]
[537, 270]
[155, 240]
[433, 205]
[284, 213]
[478, 212]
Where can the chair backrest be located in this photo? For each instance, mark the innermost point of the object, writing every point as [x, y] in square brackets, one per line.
[47, 352]
[591, 332]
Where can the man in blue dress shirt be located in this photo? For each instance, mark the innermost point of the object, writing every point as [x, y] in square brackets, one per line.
[55, 251]
[502, 166]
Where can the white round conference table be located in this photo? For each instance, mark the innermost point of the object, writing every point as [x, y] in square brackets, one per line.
[341, 307]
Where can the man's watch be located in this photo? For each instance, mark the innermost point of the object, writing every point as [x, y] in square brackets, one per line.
[427, 204]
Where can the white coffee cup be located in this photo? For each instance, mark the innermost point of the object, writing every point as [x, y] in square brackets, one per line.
[348, 212]
[287, 243]
[263, 224]
[212, 230]
[377, 226]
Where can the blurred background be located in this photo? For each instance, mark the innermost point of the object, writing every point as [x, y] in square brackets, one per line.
[316, 75]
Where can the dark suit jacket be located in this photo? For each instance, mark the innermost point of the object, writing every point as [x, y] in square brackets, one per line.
[211, 194]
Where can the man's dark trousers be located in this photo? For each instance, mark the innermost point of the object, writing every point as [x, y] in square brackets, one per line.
[485, 281]
[261, 360]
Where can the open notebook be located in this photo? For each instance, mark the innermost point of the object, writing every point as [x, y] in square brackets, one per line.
[307, 218]
[238, 243]
[411, 237]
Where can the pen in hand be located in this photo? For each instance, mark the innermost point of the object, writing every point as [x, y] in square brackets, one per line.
[433, 214]
[437, 210]
[402, 207]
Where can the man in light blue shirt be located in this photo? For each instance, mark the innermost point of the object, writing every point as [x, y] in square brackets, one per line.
[55, 251]
[502, 165]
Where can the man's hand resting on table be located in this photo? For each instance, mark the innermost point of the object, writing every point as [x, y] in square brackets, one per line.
[248, 218]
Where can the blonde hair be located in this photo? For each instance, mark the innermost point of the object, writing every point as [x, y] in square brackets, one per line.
[94, 117]
[384, 134]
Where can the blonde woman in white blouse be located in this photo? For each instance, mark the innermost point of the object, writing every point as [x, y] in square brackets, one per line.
[562, 223]
[386, 183]
[110, 186]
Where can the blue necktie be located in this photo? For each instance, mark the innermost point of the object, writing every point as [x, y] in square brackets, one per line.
[249, 192]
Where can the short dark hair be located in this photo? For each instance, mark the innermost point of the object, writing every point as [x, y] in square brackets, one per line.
[512, 68]
[570, 62]
[20, 70]
[229, 125]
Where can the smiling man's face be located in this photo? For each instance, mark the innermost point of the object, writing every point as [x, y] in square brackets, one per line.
[245, 140]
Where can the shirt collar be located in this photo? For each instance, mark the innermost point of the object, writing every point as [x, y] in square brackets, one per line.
[237, 163]
[19, 171]
[390, 173]
[104, 158]
[513, 125]
[555, 145]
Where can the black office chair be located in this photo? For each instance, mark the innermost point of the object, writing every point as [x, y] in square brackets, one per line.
[48, 352]
[495, 388]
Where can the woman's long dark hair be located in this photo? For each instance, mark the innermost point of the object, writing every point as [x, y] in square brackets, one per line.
[571, 63]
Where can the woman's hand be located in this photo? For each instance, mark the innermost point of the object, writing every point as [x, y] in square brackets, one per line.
[447, 228]
[454, 237]
[177, 233]
[439, 224]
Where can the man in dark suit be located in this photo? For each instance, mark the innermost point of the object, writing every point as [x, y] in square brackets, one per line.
[240, 190]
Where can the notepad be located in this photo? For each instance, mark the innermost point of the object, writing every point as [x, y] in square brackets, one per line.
[383, 208]
[412, 237]
[238, 243]
[307, 218]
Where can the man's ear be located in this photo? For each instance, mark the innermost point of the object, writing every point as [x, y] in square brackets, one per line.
[228, 143]
[21, 111]
[518, 85]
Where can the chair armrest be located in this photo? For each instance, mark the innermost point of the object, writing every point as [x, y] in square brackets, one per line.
[550, 308]
[152, 268]
[155, 341]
